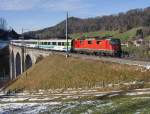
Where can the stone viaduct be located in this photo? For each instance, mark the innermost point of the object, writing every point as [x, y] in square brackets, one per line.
[22, 58]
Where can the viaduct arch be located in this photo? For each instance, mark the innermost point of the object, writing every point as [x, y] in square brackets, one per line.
[28, 62]
[22, 59]
[18, 64]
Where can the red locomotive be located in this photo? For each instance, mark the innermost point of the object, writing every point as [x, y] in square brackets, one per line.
[97, 46]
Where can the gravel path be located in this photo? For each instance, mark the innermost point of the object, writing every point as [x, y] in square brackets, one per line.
[145, 64]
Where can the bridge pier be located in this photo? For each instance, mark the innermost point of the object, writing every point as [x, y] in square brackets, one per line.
[10, 65]
[14, 67]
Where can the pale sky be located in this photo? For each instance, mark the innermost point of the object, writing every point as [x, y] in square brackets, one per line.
[38, 14]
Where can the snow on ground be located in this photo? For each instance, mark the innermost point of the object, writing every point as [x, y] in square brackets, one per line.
[42, 101]
[146, 66]
[26, 108]
[12, 99]
[138, 93]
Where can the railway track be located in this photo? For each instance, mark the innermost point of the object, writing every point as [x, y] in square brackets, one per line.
[144, 64]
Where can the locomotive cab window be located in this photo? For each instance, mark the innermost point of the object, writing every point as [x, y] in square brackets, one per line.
[115, 41]
[89, 42]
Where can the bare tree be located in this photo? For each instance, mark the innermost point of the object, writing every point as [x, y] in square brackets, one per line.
[3, 24]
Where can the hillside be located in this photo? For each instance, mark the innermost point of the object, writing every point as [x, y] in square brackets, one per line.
[124, 36]
[121, 22]
[56, 71]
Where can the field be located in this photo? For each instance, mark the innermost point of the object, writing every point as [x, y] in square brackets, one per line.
[77, 85]
[56, 71]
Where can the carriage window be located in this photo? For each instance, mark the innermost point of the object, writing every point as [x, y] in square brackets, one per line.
[98, 42]
[45, 43]
[49, 43]
[59, 43]
[62, 43]
[53, 43]
[89, 42]
[34, 42]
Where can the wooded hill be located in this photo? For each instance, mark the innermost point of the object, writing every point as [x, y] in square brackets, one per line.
[121, 22]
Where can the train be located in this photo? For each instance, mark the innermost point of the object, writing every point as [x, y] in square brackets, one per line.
[97, 46]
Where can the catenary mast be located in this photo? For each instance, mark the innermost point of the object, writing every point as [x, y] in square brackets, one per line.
[67, 35]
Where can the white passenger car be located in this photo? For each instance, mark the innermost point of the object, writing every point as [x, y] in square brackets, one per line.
[52, 44]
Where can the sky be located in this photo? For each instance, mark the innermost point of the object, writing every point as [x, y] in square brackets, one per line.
[38, 14]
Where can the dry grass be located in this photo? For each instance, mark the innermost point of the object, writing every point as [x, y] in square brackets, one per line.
[56, 71]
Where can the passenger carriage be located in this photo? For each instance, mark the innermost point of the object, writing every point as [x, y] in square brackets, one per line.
[53, 44]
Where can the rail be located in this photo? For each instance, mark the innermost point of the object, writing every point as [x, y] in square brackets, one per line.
[144, 64]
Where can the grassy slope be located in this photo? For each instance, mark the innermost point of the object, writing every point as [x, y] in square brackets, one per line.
[97, 33]
[123, 36]
[58, 72]
[127, 35]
